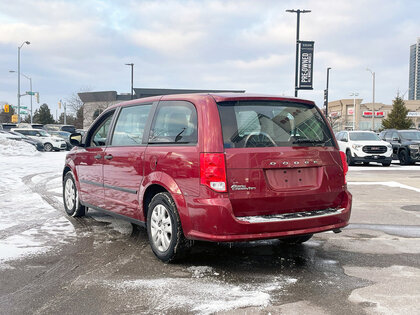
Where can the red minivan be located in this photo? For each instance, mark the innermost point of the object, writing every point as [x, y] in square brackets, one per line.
[212, 167]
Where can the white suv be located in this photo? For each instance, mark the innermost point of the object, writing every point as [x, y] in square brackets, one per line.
[364, 146]
[50, 142]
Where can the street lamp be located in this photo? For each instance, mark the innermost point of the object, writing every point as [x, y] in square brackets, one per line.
[132, 71]
[354, 94]
[30, 86]
[298, 12]
[18, 95]
[373, 98]
[326, 92]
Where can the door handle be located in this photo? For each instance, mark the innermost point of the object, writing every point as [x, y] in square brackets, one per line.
[98, 156]
[108, 157]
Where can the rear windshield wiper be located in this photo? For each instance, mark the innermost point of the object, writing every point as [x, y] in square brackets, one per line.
[309, 141]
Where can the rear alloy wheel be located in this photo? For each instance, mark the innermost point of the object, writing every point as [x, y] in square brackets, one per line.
[296, 239]
[71, 197]
[404, 158]
[164, 229]
[349, 158]
[48, 147]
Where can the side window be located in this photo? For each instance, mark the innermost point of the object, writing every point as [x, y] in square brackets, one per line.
[99, 135]
[175, 122]
[345, 136]
[388, 136]
[394, 135]
[129, 128]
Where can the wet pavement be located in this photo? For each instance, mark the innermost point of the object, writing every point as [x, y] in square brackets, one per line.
[101, 265]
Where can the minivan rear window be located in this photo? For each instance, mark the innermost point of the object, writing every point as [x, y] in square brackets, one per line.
[272, 124]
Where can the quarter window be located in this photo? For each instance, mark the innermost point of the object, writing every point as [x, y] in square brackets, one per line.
[175, 122]
[129, 128]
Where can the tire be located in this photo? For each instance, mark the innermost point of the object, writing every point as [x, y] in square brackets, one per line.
[164, 229]
[296, 239]
[386, 163]
[365, 163]
[71, 200]
[48, 147]
[404, 158]
[349, 158]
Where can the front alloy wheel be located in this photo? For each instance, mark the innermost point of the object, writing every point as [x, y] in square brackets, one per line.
[71, 197]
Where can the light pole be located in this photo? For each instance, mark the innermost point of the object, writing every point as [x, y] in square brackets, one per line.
[132, 74]
[30, 86]
[18, 95]
[354, 94]
[326, 92]
[373, 98]
[298, 12]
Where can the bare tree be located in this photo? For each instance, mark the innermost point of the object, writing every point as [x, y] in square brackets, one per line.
[75, 105]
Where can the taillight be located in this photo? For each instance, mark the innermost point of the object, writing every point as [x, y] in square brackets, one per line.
[213, 171]
[344, 162]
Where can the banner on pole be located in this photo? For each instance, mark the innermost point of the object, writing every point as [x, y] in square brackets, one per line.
[306, 65]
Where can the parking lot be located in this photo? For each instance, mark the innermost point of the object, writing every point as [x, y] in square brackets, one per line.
[101, 265]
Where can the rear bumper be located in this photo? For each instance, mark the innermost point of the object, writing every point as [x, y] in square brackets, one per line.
[213, 220]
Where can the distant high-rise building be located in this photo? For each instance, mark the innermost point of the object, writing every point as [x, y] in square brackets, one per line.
[414, 77]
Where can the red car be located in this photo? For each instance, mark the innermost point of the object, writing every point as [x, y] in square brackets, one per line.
[212, 167]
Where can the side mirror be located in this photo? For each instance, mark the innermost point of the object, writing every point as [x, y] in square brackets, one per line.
[76, 139]
[396, 139]
[345, 140]
[38, 135]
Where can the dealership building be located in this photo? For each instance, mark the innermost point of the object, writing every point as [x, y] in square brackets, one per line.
[353, 114]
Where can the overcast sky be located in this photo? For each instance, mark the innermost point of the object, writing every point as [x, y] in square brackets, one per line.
[79, 45]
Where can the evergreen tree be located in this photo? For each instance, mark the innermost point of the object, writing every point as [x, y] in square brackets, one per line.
[43, 115]
[397, 118]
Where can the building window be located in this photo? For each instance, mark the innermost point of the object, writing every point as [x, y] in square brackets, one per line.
[97, 113]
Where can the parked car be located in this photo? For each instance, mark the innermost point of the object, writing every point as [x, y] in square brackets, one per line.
[37, 126]
[212, 167]
[65, 136]
[50, 142]
[7, 126]
[36, 143]
[365, 147]
[57, 127]
[405, 144]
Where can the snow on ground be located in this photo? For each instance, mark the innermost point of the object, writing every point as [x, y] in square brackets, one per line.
[209, 294]
[28, 224]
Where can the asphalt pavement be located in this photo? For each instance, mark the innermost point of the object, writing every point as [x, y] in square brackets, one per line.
[107, 267]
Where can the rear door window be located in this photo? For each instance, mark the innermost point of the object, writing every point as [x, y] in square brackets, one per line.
[175, 122]
[272, 123]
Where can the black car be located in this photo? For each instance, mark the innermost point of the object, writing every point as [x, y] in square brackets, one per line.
[37, 144]
[405, 144]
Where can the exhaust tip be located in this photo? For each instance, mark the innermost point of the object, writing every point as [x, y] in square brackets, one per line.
[336, 231]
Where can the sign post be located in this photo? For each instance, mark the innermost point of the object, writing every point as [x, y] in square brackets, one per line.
[306, 65]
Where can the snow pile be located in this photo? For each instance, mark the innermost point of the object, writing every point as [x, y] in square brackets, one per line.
[16, 148]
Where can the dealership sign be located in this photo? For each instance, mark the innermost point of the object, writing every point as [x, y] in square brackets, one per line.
[335, 114]
[306, 65]
[413, 114]
[368, 114]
